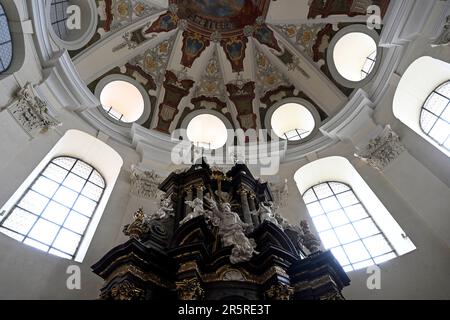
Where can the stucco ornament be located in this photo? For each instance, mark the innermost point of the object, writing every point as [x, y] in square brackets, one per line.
[145, 183]
[31, 112]
[231, 231]
[280, 193]
[382, 150]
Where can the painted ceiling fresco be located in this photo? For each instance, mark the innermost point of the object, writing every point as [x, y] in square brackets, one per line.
[224, 55]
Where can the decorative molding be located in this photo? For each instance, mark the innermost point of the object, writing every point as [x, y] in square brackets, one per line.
[382, 150]
[280, 291]
[190, 289]
[31, 112]
[125, 291]
[138, 227]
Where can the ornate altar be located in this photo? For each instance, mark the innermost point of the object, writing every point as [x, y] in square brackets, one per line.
[217, 236]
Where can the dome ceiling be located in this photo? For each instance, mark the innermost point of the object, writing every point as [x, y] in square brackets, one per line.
[235, 57]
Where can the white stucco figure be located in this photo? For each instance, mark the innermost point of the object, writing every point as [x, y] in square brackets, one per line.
[266, 213]
[231, 231]
[165, 210]
[197, 210]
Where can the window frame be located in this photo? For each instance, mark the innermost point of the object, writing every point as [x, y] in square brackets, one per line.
[336, 75]
[349, 222]
[56, 23]
[439, 117]
[3, 68]
[50, 200]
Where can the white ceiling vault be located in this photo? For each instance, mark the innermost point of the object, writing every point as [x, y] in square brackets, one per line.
[236, 57]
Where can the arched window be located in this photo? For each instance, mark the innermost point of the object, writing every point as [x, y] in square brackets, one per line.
[6, 47]
[345, 227]
[55, 211]
[422, 98]
[435, 116]
[350, 219]
[58, 207]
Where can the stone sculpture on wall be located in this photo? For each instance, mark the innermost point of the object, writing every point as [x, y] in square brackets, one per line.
[31, 112]
[382, 150]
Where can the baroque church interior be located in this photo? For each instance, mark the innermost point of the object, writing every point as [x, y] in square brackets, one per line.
[224, 149]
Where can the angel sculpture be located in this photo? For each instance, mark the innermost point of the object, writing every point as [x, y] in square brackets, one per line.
[165, 210]
[265, 213]
[231, 230]
[197, 210]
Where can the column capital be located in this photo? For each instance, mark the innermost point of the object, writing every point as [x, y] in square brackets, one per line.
[31, 112]
[382, 150]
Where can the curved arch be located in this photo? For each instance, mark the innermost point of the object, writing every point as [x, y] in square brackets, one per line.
[421, 78]
[82, 171]
[12, 17]
[339, 169]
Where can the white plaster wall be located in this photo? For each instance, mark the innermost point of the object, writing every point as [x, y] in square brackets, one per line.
[26, 273]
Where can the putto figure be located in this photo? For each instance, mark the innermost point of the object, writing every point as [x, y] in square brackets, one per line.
[165, 210]
[197, 210]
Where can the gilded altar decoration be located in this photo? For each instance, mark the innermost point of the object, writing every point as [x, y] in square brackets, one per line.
[280, 291]
[217, 235]
[190, 289]
[139, 226]
[126, 291]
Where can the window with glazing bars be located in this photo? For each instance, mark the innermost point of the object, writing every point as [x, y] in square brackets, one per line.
[58, 17]
[345, 227]
[369, 64]
[55, 211]
[6, 46]
[435, 116]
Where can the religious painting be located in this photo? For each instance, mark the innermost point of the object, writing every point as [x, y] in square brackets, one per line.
[235, 52]
[164, 23]
[221, 15]
[193, 46]
[265, 36]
